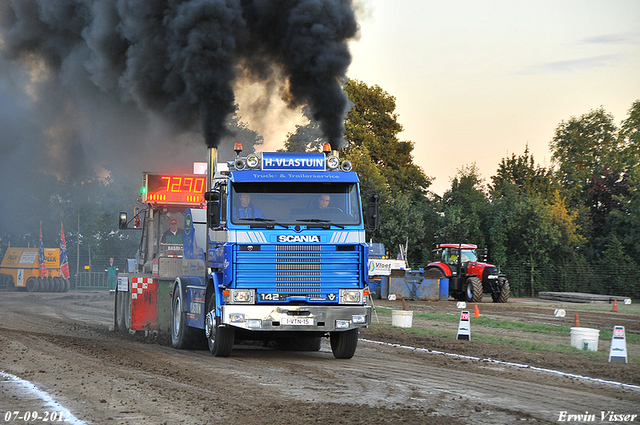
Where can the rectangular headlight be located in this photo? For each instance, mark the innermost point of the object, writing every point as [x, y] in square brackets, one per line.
[342, 324]
[359, 318]
[351, 296]
[236, 317]
[242, 296]
[254, 323]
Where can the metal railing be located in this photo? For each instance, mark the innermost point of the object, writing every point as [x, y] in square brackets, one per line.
[91, 281]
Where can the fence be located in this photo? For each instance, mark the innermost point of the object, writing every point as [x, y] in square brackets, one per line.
[91, 281]
[604, 280]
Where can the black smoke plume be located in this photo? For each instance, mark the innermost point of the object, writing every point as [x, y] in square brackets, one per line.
[179, 59]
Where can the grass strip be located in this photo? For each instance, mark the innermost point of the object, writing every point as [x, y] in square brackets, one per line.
[506, 324]
[493, 340]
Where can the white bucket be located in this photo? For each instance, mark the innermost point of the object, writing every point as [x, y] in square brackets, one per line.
[401, 318]
[585, 338]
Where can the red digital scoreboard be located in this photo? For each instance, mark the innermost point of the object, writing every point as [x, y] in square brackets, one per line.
[174, 189]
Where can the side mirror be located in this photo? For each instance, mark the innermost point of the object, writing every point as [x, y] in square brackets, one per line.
[212, 196]
[122, 220]
[371, 220]
[213, 214]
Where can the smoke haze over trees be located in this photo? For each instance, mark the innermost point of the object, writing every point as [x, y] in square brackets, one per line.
[98, 91]
[93, 93]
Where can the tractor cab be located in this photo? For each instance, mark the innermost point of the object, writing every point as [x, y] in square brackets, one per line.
[468, 277]
[451, 255]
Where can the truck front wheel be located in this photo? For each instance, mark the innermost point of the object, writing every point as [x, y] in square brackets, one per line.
[219, 338]
[343, 344]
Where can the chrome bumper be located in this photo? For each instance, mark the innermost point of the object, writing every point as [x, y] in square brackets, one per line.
[272, 318]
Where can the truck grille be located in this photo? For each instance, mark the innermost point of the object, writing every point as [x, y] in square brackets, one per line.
[299, 270]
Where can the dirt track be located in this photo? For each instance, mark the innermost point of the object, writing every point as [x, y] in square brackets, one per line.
[61, 343]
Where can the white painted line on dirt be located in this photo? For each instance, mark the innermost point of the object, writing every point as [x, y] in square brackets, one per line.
[45, 397]
[519, 365]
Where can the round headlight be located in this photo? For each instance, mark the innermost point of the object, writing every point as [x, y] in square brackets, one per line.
[346, 165]
[240, 163]
[253, 160]
[333, 162]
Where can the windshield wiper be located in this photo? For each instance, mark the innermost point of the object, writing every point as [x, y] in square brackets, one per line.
[267, 221]
[319, 220]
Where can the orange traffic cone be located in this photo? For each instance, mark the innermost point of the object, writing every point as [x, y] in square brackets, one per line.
[576, 323]
[615, 306]
[476, 312]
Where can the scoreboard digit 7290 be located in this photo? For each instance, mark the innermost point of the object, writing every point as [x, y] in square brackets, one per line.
[174, 189]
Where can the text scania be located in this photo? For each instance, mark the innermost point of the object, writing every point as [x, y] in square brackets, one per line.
[299, 238]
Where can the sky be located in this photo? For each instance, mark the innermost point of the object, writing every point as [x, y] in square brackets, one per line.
[474, 82]
[477, 81]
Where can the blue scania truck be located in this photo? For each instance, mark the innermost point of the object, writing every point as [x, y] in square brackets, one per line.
[277, 254]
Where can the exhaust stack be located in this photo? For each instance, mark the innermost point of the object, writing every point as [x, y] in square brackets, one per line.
[212, 159]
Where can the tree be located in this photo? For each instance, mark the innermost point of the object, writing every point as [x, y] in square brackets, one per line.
[606, 191]
[306, 138]
[384, 165]
[581, 147]
[629, 138]
[531, 223]
[596, 163]
[520, 175]
[465, 208]
[373, 123]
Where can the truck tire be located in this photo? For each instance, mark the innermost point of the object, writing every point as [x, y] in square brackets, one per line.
[505, 291]
[343, 344]
[9, 283]
[43, 284]
[474, 290]
[219, 338]
[55, 284]
[33, 284]
[182, 336]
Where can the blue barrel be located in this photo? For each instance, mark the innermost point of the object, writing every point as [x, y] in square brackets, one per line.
[444, 288]
[384, 287]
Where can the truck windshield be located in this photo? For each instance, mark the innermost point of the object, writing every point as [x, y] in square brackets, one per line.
[296, 203]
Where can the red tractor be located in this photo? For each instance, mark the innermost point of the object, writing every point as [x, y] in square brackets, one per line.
[468, 278]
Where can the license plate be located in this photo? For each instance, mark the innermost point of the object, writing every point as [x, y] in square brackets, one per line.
[297, 321]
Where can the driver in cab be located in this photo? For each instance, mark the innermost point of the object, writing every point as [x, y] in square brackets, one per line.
[323, 201]
[246, 209]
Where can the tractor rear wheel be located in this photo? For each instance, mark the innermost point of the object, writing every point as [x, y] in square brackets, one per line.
[505, 290]
[474, 290]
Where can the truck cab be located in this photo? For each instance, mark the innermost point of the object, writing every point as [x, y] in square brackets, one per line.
[283, 244]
